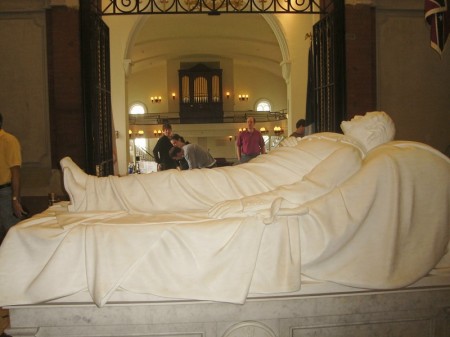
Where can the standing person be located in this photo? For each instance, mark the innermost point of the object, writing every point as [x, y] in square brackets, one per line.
[300, 131]
[162, 148]
[11, 210]
[250, 143]
[195, 155]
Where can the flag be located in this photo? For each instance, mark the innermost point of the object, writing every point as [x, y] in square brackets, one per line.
[437, 14]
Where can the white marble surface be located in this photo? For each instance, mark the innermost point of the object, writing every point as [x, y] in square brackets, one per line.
[418, 312]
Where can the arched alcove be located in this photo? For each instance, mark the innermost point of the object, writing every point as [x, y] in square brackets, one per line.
[256, 52]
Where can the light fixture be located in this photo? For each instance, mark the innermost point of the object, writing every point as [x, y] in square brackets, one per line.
[157, 133]
[228, 94]
[242, 130]
[155, 99]
[243, 97]
[278, 130]
[230, 138]
[173, 96]
[263, 130]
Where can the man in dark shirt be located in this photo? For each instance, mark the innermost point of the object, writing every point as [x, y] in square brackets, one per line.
[162, 148]
[300, 131]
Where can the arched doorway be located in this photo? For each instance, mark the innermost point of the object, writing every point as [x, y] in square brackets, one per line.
[295, 36]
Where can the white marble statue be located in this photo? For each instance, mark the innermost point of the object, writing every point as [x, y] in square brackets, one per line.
[357, 192]
[357, 209]
[329, 157]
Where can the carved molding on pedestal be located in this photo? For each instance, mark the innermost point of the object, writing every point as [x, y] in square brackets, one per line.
[249, 329]
[22, 332]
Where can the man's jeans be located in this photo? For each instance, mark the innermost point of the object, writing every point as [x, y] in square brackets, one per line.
[7, 219]
[246, 158]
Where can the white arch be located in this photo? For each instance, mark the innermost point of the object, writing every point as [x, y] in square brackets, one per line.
[285, 64]
[271, 20]
[275, 25]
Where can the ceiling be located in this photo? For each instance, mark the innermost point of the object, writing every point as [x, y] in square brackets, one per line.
[247, 39]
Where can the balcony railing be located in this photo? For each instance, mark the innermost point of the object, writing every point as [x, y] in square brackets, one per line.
[228, 117]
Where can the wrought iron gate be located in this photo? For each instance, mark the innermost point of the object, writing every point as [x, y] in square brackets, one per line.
[210, 7]
[96, 86]
[328, 46]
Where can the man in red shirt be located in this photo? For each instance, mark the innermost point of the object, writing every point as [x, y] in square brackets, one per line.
[250, 143]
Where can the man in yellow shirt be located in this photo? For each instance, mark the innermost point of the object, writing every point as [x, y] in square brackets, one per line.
[11, 210]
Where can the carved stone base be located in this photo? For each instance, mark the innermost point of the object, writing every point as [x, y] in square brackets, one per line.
[418, 312]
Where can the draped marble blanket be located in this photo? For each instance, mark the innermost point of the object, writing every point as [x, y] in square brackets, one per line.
[383, 225]
[186, 256]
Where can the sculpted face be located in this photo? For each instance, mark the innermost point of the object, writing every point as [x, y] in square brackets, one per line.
[372, 129]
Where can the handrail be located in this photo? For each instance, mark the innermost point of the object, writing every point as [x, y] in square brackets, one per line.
[228, 117]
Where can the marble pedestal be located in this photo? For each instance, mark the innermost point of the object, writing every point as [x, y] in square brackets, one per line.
[411, 313]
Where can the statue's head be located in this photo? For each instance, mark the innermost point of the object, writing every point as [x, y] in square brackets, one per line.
[372, 129]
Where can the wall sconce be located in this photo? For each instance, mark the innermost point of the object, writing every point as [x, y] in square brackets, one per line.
[140, 133]
[264, 131]
[230, 138]
[157, 133]
[243, 97]
[278, 130]
[228, 94]
[173, 96]
[156, 99]
[242, 130]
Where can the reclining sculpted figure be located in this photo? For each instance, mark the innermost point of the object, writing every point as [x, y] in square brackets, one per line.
[356, 209]
[323, 160]
[357, 192]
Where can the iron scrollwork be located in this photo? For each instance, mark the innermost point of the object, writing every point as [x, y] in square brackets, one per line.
[211, 7]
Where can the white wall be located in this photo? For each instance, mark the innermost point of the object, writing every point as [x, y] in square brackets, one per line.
[258, 85]
[119, 30]
[143, 85]
[294, 28]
